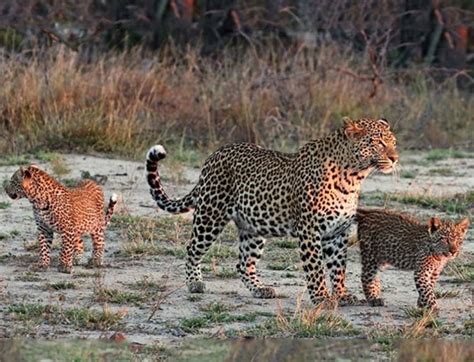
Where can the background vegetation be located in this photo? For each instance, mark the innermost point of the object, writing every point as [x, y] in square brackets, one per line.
[117, 76]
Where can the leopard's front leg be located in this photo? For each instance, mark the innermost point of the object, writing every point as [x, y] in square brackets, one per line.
[335, 253]
[313, 264]
[45, 239]
[425, 286]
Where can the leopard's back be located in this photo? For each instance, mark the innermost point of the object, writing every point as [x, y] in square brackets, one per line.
[391, 238]
[87, 205]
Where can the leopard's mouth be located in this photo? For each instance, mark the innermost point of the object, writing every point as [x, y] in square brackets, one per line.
[386, 166]
[13, 196]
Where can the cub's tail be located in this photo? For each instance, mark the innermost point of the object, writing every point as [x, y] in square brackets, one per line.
[164, 202]
[110, 209]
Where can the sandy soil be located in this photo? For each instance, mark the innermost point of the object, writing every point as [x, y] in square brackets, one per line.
[17, 285]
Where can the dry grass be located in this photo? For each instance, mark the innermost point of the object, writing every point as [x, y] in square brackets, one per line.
[123, 103]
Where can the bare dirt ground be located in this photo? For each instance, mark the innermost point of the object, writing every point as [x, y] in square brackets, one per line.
[144, 280]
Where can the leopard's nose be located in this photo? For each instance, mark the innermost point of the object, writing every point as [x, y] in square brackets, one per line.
[393, 157]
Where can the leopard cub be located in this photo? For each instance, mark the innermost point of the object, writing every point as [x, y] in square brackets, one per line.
[389, 238]
[70, 212]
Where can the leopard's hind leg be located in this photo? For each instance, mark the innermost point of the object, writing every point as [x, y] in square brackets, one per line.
[251, 248]
[207, 225]
[79, 251]
[98, 247]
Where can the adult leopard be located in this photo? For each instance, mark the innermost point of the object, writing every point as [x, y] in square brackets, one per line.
[311, 194]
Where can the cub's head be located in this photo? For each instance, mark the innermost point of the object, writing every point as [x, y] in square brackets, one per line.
[372, 143]
[13, 186]
[446, 237]
[30, 182]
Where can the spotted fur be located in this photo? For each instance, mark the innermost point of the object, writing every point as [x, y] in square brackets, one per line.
[388, 238]
[71, 212]
[311, 194]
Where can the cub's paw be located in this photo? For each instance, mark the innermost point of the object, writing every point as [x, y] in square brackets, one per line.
[348, 299]
[94, 263]
[264, 293]
[196, 287]
[430, 308]
[376, 302]
[39, 267]
[328, 302]
[77, 260]
[65, 268]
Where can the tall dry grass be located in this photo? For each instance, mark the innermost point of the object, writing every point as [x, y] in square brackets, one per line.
[122, 103]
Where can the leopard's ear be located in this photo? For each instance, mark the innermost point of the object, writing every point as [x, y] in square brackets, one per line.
[434, 224]
[352, 129]
[384, 122]
[25, 172]
[463, 224]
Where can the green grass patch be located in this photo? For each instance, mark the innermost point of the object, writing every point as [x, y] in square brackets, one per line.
[84, 318]
[305, 323]
[148, 285]
[286, 243]
[220, 252]
[69, 350]
[459, 203]
[5, 205]
[226, 273]
[408, 174]
[87, 274]
[443, 171]
[279, 266]
[462, 273]
[29, 276]
[105, 295]
[446, 294]
[214, 313]
[19, 160]
[469, 326]
[443, 154]
[61, 285]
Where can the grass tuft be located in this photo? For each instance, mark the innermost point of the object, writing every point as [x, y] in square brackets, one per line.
[84, 318]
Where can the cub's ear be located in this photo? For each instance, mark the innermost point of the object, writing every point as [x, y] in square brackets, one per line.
[463, 224]
[352, 129]
[26, 173]
[434, 224]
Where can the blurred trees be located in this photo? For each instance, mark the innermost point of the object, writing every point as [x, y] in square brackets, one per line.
[396, 32]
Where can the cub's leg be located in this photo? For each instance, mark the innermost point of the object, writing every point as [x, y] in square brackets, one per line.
[424, 286]
[251, 248]
[436, 273]
[78, 252]
[335, 253]
[313, 265]
[45, 238]
[98, 247]
[69, 243]
[207, 225]
[371, 282]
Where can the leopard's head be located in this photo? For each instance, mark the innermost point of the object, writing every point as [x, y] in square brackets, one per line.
[372, 144]
[29, 182]
[446, 237]
[13, 187]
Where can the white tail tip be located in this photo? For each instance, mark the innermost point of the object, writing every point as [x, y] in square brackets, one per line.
[114, 197]
[157, 151]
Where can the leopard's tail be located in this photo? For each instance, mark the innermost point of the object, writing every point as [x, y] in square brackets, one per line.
[110, 209]
[164, 202]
